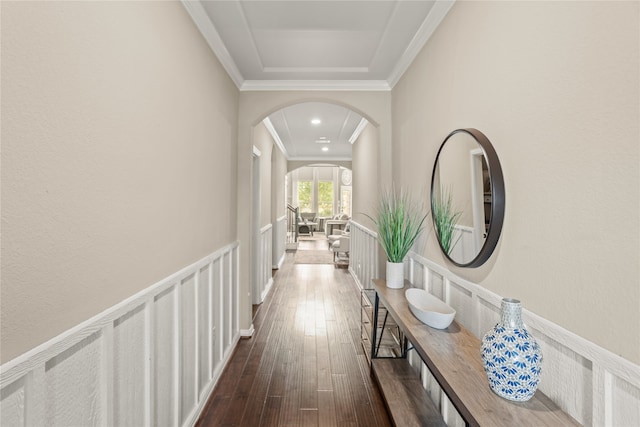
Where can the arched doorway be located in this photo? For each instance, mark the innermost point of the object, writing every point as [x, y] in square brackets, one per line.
[254, 108]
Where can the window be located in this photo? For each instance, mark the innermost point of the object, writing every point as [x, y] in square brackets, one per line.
[304, 196]
[325, 198]
[318, 189]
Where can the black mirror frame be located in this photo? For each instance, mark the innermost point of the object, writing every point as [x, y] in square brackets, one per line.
[497, 197]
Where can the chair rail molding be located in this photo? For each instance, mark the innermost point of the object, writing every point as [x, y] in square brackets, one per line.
[590, 383]
[151, 359]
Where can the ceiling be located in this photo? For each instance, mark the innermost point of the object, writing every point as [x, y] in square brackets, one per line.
[302, 139]
[316, 45]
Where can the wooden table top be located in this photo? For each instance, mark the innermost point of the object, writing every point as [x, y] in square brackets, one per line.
[453, 357]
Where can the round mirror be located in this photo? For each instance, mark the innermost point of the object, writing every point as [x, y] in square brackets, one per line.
[467, 198]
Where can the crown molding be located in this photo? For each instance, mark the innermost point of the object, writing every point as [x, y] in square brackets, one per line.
[426, 30]
[208, 31]
[275, 136]
[356, 133]
[199, 16]
[319, 85]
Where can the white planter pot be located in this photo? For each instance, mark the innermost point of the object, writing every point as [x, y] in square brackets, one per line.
[395, 275]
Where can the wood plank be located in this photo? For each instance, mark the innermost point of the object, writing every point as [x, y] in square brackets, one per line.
[345, 409]
[309, 398]
[326, 409]
[211, 416]
[239, 401]
[285, 375]
[309, 417]
[256, 400]
[407, 401]
[377, 407]
[271, 411]
[453, 357]
[323, 361]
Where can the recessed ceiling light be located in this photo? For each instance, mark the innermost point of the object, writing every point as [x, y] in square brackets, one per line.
[323, 141]
[316, 121]
[325, 148]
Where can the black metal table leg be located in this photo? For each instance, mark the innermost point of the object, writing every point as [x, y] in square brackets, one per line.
[374, 326]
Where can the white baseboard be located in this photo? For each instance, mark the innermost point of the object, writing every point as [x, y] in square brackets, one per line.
[280, 262]
[267, 288]
[247, 333]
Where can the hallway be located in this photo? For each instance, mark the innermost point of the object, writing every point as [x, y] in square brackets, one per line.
[305, 365]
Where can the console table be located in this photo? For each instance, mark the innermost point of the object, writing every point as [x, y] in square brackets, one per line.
[453, 357]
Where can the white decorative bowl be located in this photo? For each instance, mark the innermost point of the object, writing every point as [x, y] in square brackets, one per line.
[429, 309]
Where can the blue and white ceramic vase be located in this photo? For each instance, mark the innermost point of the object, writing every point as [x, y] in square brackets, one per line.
[512, 358]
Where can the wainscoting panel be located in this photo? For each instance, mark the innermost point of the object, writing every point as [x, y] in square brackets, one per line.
[462, 299]
[593, 385]
[625, 398]
[76, 384]
[279, 241]
[419, 274]
[217, 347]
[205, 328]
[187, 358]
[165, 358]
[566, 373]
[227, 308]
[465, 248]
[487, 313]
[152, 359]
[232, 282]
[264, 264]
[435, 284]
[129, 371]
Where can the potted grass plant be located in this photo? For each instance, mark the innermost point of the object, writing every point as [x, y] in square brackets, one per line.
[445, 219]
[399, 221]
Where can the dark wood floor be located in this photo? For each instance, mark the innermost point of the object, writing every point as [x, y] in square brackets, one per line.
[305, 365]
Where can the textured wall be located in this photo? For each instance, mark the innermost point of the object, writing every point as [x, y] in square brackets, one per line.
[118, 158]
[554, 86]
[366, 187]
[278, 174]
[262, 141]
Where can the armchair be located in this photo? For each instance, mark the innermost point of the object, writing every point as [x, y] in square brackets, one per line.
[338, 221]
[341, 246]
[334, 237]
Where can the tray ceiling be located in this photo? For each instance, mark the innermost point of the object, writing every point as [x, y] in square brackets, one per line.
[325, 45]
[316, 45]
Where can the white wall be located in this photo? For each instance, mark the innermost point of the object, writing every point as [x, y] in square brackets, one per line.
[278, 206]
[118, 158]
[278, 173]
[262, 141]
[554, 86]
[365, 178]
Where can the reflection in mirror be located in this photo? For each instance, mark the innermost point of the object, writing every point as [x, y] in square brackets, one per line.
[465, 177]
